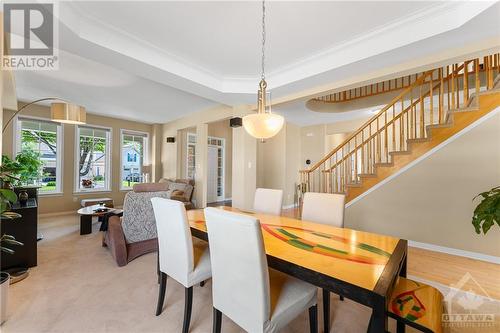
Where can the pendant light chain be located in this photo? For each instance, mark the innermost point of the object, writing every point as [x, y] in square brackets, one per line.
[263, 76]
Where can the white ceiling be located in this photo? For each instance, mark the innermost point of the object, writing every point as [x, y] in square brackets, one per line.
[157, 61]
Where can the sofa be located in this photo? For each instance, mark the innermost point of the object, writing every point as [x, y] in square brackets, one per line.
[134, 234]
[181, 190]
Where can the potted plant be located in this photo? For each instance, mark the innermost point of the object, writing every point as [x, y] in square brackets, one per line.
[7, 196]
[487, 213]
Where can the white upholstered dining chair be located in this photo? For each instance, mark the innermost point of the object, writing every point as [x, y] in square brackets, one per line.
[324, 208]
[268, 201]
[179, 257]
[256, 298]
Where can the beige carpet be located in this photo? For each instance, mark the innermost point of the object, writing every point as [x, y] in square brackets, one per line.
[77, 287]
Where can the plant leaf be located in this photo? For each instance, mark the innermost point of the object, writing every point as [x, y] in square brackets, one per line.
[9, 195]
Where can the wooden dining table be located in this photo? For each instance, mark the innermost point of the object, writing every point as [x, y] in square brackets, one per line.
[360, 266]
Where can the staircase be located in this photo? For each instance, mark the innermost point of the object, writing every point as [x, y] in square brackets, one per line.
[438, 104]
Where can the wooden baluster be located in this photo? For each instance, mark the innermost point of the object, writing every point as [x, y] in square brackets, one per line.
[448, 86]
[394, 127]
[457, 85]
[490, 73]
[477, 82]
[466, 83]
[441, 93]
[415, 120]
[370, 151]
[421, 113]
[356, 157]
[431, 93]
[363, 150]
[452, 87]
[377, 140]
[386, 148]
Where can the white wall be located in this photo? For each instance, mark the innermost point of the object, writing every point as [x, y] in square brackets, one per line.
[432, 201]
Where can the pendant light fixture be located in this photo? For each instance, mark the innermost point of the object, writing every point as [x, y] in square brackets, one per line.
[263, 124]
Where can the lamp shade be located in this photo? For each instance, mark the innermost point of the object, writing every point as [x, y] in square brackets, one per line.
[263, 125]
[68, 113]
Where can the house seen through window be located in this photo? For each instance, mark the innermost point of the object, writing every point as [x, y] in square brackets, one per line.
[133, 150]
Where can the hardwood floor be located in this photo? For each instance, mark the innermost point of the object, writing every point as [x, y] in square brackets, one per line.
[447, 269]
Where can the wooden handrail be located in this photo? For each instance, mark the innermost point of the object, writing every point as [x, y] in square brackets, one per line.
[415, 84]
[404, 118]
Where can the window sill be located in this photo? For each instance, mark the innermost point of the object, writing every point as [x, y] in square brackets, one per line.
[50, 194]
[83, 192]
[126, 189]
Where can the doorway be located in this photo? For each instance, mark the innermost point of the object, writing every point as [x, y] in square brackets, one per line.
[216, 169]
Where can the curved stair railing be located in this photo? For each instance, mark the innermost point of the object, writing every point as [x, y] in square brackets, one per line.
[426, 102]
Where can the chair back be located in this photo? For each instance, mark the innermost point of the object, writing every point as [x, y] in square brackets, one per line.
[240, 276]
[268, 201]
[175, 244]
[138, 222]
[324, 208]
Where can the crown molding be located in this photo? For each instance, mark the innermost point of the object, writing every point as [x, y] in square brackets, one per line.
[423, 24]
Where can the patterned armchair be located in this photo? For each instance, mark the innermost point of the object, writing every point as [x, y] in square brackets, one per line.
[134, 234]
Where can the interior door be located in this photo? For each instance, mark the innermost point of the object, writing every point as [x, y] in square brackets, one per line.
[212, 174]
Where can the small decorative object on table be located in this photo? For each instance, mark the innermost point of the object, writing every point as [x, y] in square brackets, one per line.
[23, 198]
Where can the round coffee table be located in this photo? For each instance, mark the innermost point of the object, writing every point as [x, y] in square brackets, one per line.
[86, 214]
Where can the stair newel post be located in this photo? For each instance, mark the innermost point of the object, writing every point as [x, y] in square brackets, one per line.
[441, 95]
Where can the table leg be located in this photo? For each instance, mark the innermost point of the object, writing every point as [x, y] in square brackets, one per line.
[378, 320]
[401, 327]
[85, 224]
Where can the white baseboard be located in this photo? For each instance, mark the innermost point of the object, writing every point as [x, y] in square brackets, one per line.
[456, 252]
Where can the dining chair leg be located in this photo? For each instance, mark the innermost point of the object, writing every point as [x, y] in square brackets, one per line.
[161, 292]
[341, 297]
[313, 319]
[188, 304]
[326, 311]
[158, 266]
[217, 321]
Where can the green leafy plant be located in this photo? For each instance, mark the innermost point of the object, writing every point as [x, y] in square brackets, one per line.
[6, 198]
[31, 166]
[26, 167]
[487, 213]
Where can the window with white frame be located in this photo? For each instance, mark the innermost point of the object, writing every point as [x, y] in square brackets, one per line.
[42, 140]
[93, 163]
[134, 155]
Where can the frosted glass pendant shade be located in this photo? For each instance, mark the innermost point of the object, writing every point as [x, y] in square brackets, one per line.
[263, 125]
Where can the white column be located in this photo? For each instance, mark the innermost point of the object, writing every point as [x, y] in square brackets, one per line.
[244, 165]
[201, 165]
